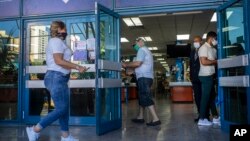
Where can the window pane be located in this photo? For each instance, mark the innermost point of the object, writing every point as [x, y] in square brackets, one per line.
[9, 55]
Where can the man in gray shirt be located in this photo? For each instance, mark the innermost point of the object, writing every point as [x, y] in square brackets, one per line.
[143, 66]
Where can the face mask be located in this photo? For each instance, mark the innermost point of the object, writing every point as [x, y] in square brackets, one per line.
[62, 35]
[196, 45]
[214, 42]
[136, 47]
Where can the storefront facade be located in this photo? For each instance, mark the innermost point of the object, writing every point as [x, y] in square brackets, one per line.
[24, 33]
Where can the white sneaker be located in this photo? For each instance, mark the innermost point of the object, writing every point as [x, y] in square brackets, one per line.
[69, 138]
[32, 135]
[204, 122]
[216, 120]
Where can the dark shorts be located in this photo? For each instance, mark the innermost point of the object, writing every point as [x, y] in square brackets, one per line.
[145, 94]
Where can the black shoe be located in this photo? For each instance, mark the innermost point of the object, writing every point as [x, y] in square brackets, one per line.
[154, 123]
[196, 119]
[136, 120]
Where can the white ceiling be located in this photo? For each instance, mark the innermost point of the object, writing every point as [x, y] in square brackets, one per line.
[163, 30]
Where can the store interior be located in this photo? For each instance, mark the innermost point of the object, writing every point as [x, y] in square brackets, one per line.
[169, 36]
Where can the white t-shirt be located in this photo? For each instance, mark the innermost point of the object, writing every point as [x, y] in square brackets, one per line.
[56, 45]
[208, 51]
[146, 68]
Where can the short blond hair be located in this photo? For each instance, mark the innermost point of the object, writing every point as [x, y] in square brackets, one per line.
[55, 25]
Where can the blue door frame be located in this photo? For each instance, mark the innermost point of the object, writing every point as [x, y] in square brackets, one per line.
[108, 103]
[225, 124]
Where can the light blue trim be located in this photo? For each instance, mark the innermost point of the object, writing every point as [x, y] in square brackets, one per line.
[247, 42]
[220, 72]
[246, 5]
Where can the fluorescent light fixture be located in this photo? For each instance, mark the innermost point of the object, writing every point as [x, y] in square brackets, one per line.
[163, 62]
[214, 18]
[160, 59]
[136, 21]
[204, 36]
[186, 13]
[128, 22]
[155, 48]
[230, 28]
[124, 40]
[157, 54]
[165, 65]
[183, 37]
[148, 39]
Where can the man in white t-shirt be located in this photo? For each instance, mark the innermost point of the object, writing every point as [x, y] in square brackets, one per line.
[208, 60]
[144, 70]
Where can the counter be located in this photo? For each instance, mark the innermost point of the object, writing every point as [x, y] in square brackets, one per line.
[181, 91]
[129, 91]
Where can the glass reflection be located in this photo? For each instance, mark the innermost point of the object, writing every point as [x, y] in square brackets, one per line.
[82, 43]
[9, 54]
[234, 45]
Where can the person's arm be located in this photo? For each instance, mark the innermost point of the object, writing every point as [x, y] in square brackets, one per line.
[134, 64]
[206, 62]
[58, 58]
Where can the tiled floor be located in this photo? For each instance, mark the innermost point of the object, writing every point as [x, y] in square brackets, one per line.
[177, 125]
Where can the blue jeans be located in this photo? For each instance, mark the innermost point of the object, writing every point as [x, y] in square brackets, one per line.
[57, 84]
[145, 95]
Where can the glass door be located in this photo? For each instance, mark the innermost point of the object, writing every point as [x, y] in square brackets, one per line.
[108, 67]
[233, 63]
[81, 38]
[9, 70]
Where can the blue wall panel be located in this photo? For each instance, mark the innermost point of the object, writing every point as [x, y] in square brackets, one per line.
[39, 7]
[9, 8]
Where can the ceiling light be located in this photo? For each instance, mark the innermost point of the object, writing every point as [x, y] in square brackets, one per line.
[186, 13]
[148, 39]
[160, 59]
[124, 40]
[128, 21]
[155, 48]
[136, 21]
[204, 36]
[183, 37]
[214, 18]
[157, 54]
[152, 48]
[163, 62]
